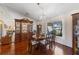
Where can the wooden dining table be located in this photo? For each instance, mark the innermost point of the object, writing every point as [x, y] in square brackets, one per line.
[38, 39]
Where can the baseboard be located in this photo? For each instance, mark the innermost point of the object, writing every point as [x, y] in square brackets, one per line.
[63, 45]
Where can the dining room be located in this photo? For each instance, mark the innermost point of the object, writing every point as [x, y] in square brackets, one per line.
[39, 29]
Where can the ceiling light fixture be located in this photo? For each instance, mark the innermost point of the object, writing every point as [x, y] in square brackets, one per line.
[40, 18]
[38, 3]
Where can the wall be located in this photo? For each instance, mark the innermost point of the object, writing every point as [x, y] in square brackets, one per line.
[67, 28]
[8, 16]
[66, 38]
[66, 19]
[60, 39]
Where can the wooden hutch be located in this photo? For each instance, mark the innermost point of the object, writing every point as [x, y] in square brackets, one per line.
[75, 33]
[39, 30]
[23, 32]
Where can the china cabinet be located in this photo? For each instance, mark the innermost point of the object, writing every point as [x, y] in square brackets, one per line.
[23, 34]
[39, 29]
[75, 30]
[23, 28]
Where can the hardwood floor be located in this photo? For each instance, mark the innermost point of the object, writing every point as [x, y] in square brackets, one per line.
[62, 49]
[41, 50]
[20, 49]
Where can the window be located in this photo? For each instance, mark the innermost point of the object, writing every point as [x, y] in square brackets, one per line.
[57, 26]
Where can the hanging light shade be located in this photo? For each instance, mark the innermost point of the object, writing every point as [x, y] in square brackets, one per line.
[38, 3]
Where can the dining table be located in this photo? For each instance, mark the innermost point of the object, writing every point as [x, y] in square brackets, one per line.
[39, 38]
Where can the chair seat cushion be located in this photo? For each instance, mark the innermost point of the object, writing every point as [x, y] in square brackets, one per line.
[34, 42]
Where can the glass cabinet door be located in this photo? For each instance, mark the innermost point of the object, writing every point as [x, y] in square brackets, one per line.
[17, 30]
[24, 27]
[29, 28]
[76, 35]
[17, 27]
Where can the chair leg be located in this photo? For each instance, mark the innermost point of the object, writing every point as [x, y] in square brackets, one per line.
[50, 45]
[54, 47]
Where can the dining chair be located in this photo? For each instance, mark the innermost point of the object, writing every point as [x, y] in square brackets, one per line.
[52, 42]
[46, 41]
[33, 45]
[49, 42]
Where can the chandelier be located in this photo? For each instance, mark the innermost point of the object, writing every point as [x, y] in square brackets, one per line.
[40, 18]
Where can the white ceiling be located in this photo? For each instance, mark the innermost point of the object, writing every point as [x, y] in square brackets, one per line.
[50, 9]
